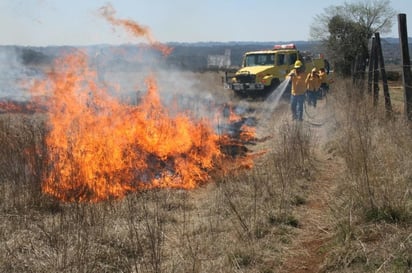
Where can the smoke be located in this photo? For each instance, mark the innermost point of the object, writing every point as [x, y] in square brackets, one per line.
[122, 69]
[132, 27]
[178, 90]
[15, 77]
[175, 87]
[190, 92]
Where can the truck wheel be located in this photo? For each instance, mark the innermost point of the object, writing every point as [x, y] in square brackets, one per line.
[274, 83]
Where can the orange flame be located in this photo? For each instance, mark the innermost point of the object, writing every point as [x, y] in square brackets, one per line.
[247, 133]
[108, 12]
[233, 117]
[99, 148]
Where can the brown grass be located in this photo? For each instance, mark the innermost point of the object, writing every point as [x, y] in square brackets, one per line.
[373, 204]
[331, 198]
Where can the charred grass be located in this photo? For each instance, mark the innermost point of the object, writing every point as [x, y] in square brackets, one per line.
[242, 221]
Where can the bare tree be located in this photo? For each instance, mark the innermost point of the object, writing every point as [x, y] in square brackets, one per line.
[345, 31]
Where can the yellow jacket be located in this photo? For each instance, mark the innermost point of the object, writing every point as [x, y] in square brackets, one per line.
[313, 82]
[298, 83]
[323, 77]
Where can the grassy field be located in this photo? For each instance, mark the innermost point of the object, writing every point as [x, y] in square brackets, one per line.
[330, 194]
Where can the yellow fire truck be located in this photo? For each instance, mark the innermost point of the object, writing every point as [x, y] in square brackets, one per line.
[262, 71]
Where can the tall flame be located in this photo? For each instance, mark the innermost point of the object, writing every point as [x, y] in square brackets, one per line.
[100, 148]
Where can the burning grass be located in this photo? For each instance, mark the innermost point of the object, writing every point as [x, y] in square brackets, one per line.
[98, 148]
[158, 230]
[222, 226]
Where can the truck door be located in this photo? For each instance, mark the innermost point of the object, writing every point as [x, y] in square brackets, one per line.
[292, 58]
[282, 65]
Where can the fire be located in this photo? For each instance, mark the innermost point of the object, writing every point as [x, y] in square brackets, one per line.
[108, 12]
[100, 148]
[247, 133]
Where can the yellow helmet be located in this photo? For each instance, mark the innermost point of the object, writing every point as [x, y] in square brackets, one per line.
[298, 64]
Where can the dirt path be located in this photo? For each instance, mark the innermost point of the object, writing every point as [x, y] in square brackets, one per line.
[307, 251]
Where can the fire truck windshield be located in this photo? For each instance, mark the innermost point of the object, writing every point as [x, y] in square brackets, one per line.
[259, 59]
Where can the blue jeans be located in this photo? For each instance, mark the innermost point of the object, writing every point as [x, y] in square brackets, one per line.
[296, 105]
[312, 97]
[324, 88]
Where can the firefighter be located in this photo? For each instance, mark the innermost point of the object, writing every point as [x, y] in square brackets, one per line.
[312, 85]
[324, 83]
[297, 98]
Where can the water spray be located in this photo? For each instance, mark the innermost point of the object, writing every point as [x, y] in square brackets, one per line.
[272, 101]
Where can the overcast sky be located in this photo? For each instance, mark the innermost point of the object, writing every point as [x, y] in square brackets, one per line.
[77, 22]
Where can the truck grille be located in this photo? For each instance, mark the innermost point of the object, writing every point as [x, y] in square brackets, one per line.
[246, 78]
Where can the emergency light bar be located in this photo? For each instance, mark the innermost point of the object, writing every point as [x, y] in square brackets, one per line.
[287, 46]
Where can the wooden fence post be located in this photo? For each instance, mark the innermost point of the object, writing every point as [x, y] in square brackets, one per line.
[375, 74]
[370, 68]
[388, 105]
[406, 64]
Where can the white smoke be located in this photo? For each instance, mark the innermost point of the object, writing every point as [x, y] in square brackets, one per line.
[14, 76]
[124, 74]
[196, 92]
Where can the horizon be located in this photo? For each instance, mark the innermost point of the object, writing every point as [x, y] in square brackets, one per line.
[185, 43]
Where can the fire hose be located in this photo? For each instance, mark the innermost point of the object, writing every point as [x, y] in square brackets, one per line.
[312, 118]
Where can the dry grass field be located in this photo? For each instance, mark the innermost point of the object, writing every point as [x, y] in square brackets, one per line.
[329, 194]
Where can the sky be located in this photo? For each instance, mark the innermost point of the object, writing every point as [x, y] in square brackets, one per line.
[78, 22]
